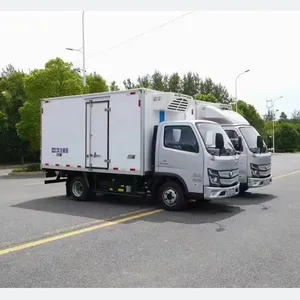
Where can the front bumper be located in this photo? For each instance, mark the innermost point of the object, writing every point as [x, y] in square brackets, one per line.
[259, 182]
[211, 193]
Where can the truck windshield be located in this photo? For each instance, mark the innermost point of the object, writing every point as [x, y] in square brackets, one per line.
[208, 134]
[250, 135]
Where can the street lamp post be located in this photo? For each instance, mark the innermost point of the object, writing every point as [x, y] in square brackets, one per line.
[236, 100]
[274, 117]
[272, 101]
[82, 51]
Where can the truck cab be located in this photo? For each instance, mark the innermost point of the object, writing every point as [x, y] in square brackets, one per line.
[200, 155]
[255, 160]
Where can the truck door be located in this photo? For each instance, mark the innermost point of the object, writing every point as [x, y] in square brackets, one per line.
[97, 127]
[233, 135]
[180, 154]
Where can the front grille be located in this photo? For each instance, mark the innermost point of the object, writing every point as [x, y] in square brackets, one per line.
[264, 174]
[264, 170]
[229, 182]
[226, 173]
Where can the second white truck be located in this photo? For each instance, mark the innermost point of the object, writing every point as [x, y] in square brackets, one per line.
[255, 160]
[136, 142]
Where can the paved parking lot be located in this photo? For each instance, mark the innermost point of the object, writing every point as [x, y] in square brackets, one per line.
[251, 241]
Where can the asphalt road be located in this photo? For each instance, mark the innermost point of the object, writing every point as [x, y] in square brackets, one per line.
[251, 241]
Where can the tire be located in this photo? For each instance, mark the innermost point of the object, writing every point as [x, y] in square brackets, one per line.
[68, 188]
[79, 190]
[243, 188]
[171, 196]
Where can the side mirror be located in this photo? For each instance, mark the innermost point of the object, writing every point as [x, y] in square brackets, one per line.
[219, 141]
[259, 142]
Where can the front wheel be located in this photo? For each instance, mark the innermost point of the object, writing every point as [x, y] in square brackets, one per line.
[171, 196]
[243, 188]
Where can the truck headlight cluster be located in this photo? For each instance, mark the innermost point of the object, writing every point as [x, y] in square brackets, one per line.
[214, 178]
[255, 170]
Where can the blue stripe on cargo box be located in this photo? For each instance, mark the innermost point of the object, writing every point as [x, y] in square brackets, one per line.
[161, 116]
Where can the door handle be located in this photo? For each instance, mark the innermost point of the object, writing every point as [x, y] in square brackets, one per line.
[164, 162]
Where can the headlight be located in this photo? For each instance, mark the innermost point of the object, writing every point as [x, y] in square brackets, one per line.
[213, 176]
[254, 170]
[254, 166]
[213, 172]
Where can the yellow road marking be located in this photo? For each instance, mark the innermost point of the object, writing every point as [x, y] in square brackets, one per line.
[285, 175]
[90, 223]
[99, 226]
[76, 232]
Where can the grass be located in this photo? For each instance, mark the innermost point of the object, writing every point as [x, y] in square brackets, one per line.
[29, 168]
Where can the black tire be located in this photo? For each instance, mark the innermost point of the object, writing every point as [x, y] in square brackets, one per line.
[172, 189]
[79, 189]
[68, 188]
[243, 188]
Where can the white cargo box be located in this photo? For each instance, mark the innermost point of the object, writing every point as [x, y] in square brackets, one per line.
[219, 113]
[107, 132]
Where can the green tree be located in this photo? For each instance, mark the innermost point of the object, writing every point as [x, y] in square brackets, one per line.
[296, 126]
[207, 86]
[207, 98]
[144, 81]
[174, 83]
[3, 109]
[190, 84]
[269, 116]
[128, 84]
[12, 97]
[295, 116]
[249, 112]
[96, 84]
[56, 79]
[157, 81]
[113, 87]
[287, 138]
[15, 96]
[3, 121]
[283, 117]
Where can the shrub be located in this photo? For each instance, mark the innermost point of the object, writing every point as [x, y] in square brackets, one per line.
[33, 167]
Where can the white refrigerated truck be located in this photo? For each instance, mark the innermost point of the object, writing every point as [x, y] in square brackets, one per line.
[255, 160]
[138, 142]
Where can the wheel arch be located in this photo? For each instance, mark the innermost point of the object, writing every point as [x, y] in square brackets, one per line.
[160, 178]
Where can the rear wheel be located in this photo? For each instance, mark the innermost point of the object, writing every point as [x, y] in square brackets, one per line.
[68, 188]
[171, 196]
[79, 189]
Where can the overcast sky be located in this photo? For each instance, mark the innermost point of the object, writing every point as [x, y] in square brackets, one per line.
[216, 44]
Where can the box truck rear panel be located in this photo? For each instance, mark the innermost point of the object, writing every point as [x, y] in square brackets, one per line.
[77, 133]
[63, 132]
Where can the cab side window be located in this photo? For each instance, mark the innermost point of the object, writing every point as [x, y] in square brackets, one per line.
[180, 138]
[233, 136]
